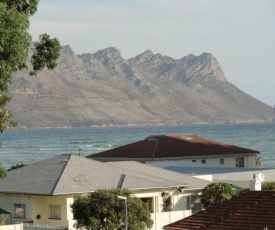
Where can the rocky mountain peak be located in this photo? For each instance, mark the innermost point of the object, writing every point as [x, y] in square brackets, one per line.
[108, 53]
[67, 50]
[145, 56]
[103, 89]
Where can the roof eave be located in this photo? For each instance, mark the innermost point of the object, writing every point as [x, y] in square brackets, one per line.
[170, 158]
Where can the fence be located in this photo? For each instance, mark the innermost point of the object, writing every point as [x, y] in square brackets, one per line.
[12, 227]
[43, 227]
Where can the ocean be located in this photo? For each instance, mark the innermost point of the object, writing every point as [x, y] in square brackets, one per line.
[30, 146]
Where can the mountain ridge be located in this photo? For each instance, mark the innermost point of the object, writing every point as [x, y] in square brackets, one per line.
[104, 89]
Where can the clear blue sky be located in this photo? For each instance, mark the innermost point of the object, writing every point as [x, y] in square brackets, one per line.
[239, 33]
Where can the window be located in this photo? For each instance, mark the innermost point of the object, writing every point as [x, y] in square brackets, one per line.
[149, 201]
[203, 161]
[240, 162]
[221, 161]
[20, 210]
[55, 211]
[194, 160]
[194, 203]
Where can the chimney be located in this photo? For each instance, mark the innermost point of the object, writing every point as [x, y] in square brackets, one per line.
[256, 183]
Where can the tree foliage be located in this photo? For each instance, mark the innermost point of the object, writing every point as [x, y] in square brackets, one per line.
[3, 172]
[259, 162]
[16, 166]
[103, 210]
[15, 42]
[167, 202]
[217, 193]
[268, 186]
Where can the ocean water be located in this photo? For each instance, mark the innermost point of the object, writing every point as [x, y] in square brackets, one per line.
[30, 146]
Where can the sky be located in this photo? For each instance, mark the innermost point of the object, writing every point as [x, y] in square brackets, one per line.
[240, 34]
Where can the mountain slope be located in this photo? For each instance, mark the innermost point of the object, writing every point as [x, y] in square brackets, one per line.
[103, 89]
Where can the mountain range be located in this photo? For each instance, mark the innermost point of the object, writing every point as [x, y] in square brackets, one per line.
[104, 89]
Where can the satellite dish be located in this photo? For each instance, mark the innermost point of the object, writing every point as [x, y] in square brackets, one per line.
[261, 177]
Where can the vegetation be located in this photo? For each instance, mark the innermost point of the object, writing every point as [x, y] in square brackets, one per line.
[16, 166]
[103, 210]
[15, 43]
[217, 193]
[3, 172]
[2, 219]
[167, 202]
[268, 186]
[259, 162]
[14, 46]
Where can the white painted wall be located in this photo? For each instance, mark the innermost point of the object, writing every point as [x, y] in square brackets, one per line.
[229, 161]
[7, 202]
[164, 218]
[38, 205]
[35, 205]
[12, 227]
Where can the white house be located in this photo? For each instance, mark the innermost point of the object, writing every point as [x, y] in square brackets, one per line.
[239, 177]
[43, 192]
[181, 148]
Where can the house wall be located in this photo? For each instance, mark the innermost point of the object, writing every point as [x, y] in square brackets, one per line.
[38, 205]
[35, 205]
[7, 202]
[71, 221]
[164, 218]
[249, 161]
[179, 205]
[204, 177]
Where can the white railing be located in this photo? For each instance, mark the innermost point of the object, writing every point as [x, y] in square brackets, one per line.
[43, 227]
[12, 227]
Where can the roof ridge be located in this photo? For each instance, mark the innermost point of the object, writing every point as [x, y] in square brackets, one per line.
[62, 171]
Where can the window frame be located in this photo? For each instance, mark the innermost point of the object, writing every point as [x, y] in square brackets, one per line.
[17, 211]
[150, 202]
[193, 203]
[238, 163]
[54, 211]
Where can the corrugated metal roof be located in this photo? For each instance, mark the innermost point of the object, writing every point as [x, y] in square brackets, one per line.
[171, 146]
[252, 210]
[70, 174]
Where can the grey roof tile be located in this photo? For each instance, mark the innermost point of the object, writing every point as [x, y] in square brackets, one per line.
[70, 174]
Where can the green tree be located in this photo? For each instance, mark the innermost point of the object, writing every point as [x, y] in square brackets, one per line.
[167, 202]
[3, 172]
[268, 186]
[17, 166]
[259, 162]
[15, 42]
[217, 193]
[103, 210]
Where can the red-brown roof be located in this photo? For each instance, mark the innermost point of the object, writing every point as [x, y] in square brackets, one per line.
[172, 146]
[252, 210]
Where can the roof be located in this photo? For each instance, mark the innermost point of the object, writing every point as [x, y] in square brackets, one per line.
[2, 211]
[252, 210]
[70, 174]
[237, 176]
[169, 147]
[222, 173]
